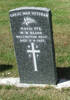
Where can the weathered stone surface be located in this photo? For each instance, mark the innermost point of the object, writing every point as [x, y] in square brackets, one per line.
[33, 42]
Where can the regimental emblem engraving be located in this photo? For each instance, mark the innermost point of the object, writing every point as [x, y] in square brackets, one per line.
[35, 54]
[28, 20]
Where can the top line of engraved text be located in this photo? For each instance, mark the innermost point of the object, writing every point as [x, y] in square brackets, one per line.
[34, 13]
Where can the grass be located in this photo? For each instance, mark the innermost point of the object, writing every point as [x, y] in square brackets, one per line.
[47, 93]
[61, 29]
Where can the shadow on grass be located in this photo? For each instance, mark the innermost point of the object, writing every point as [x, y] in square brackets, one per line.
[5, 67]
[63, 73]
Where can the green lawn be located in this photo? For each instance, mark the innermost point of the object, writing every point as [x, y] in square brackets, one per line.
[61, 29]
[13, 93]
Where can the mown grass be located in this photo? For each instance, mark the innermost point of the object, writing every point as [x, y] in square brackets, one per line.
[32, 93]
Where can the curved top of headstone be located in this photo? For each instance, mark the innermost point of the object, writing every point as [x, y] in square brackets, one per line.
[31, 8]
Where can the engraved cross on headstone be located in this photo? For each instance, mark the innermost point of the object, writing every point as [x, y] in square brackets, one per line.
[34, 51]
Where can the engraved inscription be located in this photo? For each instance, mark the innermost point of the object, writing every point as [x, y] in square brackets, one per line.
[34, 13]
[28, 33]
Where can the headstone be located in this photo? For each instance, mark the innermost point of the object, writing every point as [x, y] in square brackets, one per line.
[33, 42]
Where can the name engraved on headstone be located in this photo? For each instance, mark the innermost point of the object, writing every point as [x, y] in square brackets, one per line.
[33, 42]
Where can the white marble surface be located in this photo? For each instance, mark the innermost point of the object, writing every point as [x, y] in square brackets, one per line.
[16, 82]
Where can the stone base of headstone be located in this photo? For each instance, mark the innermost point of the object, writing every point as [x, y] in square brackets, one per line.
[63, 83]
